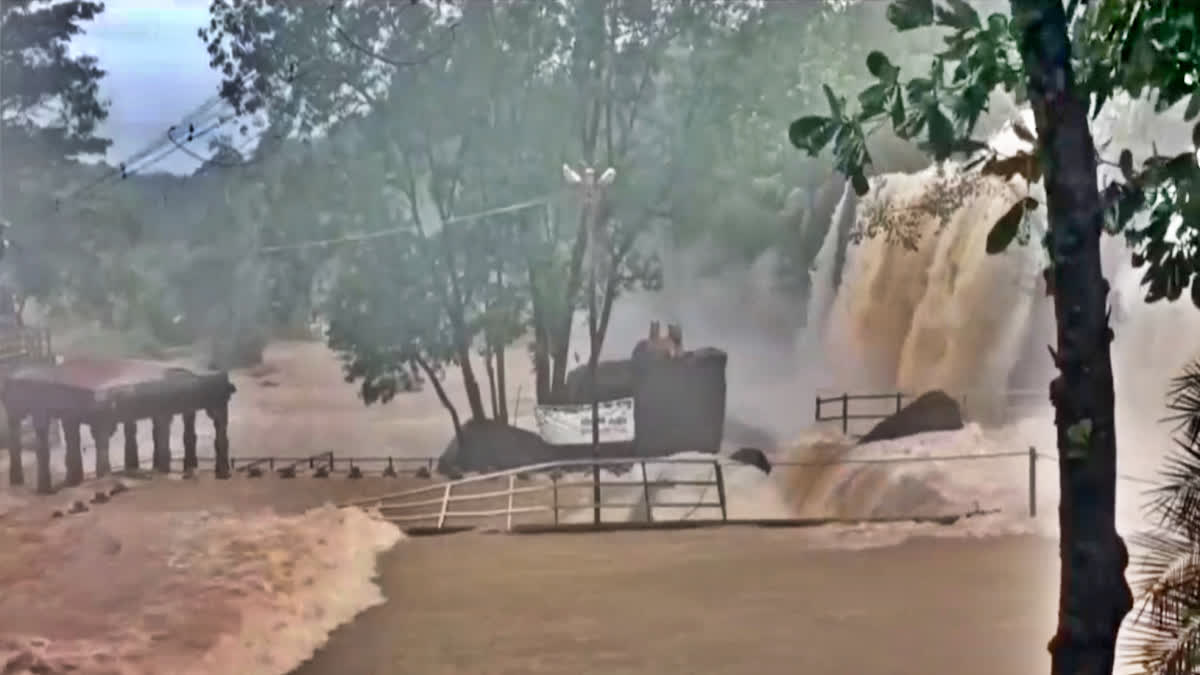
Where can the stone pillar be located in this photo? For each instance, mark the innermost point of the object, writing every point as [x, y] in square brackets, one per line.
[41, 428]
[131, 446]
[102, 431]
[160, 431]
[220, 420]
[74, 457]
[16, 467]
[190, 461]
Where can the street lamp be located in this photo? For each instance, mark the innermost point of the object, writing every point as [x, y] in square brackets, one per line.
[592, 187]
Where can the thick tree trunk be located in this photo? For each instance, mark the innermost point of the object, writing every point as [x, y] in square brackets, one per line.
[1094, 596]
[471, 384]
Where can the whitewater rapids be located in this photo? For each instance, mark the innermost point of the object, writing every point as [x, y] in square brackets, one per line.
[112, 592]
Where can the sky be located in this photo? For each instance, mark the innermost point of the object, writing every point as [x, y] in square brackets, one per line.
[157, 72]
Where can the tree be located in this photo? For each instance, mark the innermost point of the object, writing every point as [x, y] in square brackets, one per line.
[1062, 69]
[50, 107]
[484, 120]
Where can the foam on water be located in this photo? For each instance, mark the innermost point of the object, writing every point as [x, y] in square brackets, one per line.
[190, 593]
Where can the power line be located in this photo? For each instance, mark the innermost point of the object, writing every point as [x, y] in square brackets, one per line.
[393, 231]
[169, 144]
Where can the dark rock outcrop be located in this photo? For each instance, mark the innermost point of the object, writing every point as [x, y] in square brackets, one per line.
[931, 411]
[489, 445]
[753, 457]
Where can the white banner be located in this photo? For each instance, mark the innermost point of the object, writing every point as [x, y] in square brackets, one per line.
[572, 424]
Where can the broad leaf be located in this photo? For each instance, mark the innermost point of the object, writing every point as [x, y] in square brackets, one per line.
[1005, 229]
[1126, 164]
[1024, 133]
[836, 105]
[881, 67]
[1024, 164]
[959, 15]
[910, 14]
[812, 133]
[861, 186]
[1193, 107]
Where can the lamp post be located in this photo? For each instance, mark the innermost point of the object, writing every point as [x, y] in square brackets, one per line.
[591, 189]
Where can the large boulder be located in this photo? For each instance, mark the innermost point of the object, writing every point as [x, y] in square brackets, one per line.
[753, 457]
[489, 445]
[931, 411]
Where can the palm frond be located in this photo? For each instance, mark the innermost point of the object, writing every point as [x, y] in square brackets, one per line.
[1176, 503]
[1166, 577]
[1183, 400]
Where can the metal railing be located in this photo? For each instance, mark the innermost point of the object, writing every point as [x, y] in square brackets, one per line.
[891, 403]
[473, 498]
[514, 496]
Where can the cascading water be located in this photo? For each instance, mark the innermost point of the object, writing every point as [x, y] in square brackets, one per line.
[822, 282]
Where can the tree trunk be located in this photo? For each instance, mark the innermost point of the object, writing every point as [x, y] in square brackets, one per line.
[446, 402]
[1093, 596]
[491, 378]
[502, 386]
[471, 384]
[541, 336]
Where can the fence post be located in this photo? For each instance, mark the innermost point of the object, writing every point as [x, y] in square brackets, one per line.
[817, 408]
[1032, 482]
[646, 495]
[721, 490]
[331, 465]
[899, 401]
[554, 483]
[445, 506]
[512, 486]
[845, 413]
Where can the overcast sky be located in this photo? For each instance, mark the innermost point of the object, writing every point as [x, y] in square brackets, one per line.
[157, 72]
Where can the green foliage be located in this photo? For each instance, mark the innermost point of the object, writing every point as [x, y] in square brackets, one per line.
[51, 107]
[384, 317]
[50, 99]
[1138, 48]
